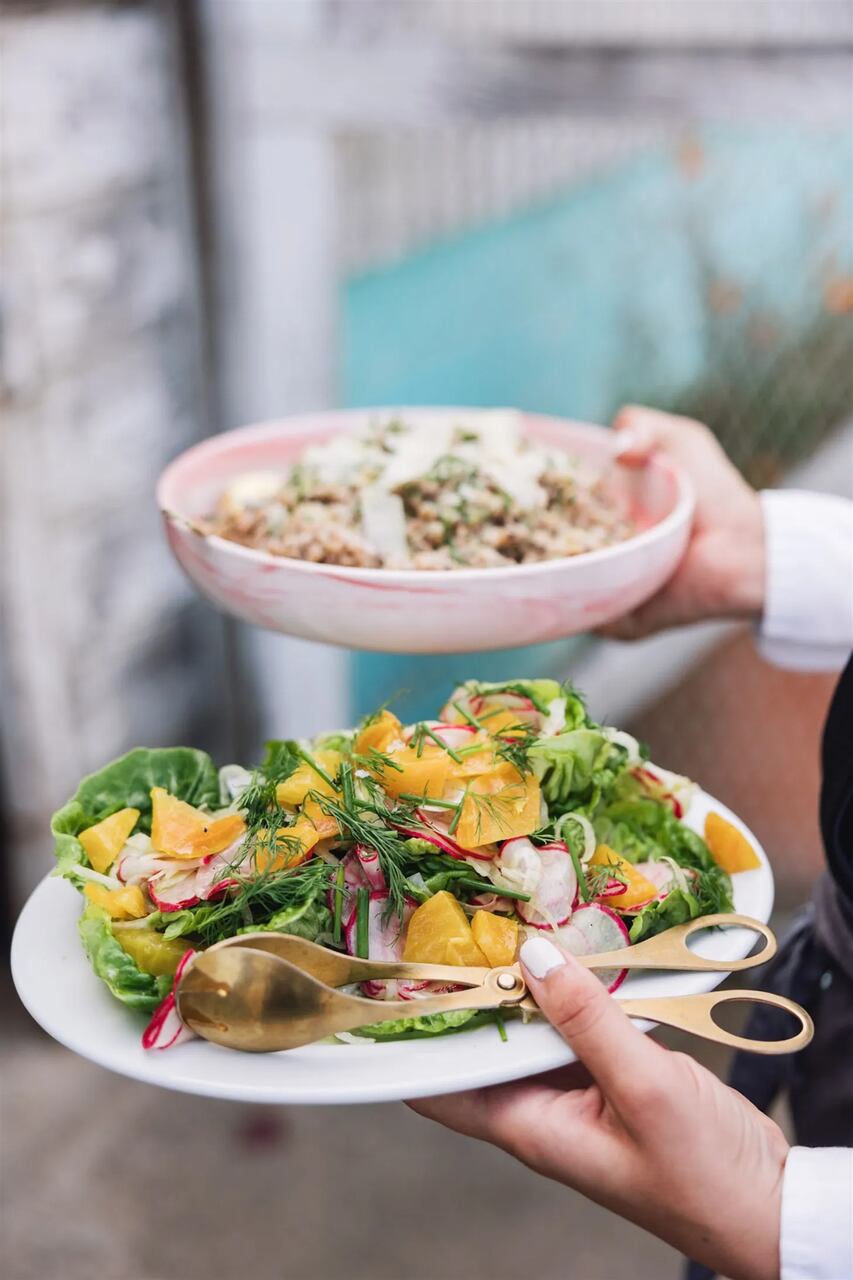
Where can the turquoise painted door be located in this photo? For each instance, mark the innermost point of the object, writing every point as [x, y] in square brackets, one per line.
[602, 295]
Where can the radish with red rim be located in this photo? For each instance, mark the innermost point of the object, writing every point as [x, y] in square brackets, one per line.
[371, 868]
[595, 928]
[386, 936]
[166, 1028]
[452, 735]
[553, 900]
[173, 894]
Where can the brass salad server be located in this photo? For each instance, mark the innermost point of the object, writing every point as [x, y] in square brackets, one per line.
[265, 992]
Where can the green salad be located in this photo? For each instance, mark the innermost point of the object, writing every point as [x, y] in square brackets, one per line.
[446, 841]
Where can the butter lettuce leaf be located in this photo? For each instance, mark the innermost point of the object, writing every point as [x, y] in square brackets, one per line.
[576, 767]
[309, 919]
[184, 772]
[676, 908]
[432, 1024]
[112, 964]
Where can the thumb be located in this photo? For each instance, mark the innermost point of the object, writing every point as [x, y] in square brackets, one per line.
[616, 1054]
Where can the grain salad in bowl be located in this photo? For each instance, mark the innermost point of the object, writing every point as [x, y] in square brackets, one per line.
[423, 530]
[446, 493]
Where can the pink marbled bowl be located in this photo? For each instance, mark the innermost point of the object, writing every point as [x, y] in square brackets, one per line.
[450, 611]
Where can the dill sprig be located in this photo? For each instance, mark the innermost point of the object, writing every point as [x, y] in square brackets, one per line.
[258, 899]
[389, 847]
[598, 877]
[495, 806]
[513, 744]
[376, 761]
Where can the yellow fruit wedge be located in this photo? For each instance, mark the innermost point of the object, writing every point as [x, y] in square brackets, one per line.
[323, 823]
[152, 952]
[496, 936]
[425, 775]
[122, 904]
[729, 847]
[500, 805]
[304, 779]
[105, 840]
[638, 889]
[182, 831]
[294, 846]
[439, 933]
[379, 734]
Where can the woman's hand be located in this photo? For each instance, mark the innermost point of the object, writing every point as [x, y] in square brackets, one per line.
[722, 573]
[645, 1132]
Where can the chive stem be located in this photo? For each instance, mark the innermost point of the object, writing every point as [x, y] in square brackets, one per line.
[347, 793]
[499, 1022]
[451, 830]
[427, 800]
[486, 886]
[361, 909]
[318, 768]
[339, 903]
[583, 887]
[466, 715]
[453, 755]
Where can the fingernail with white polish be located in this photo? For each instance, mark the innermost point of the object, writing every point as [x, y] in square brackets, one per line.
[541, 956]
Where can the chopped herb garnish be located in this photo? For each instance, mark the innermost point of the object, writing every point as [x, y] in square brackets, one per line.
[346, 785]
[451, 830]
[339, 903]
[486, 886]
[466, 715]
[318, 768]
[453, 755]
[428, 800]
[362, 906]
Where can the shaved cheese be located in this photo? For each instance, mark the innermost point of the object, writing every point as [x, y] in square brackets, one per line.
[383, 521]
[252, 489]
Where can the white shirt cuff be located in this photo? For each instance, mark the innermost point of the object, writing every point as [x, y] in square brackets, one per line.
[817, 1214]
[808, 611]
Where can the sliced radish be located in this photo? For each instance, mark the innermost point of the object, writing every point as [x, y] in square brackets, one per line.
[600, 929]
[518, 865]
[490, 902]
[371, 869]
[171, 892]
[434, 831]
[657, 787]
[166, 1028]
[552, 900]
[477, 703]
[452, 735]
[386, 934]
[517, 703]
[212, 878]
[613, 889]
[386, 938]
[660, 874]
[134, 867]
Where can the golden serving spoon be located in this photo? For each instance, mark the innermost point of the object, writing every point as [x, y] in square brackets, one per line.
[249, 999]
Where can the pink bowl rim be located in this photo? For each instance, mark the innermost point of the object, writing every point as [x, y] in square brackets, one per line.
[680, 516]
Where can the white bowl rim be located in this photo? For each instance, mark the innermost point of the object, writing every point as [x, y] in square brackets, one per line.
[681, 514]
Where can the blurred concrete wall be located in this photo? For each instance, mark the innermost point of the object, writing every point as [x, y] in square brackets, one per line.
[101, 645]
